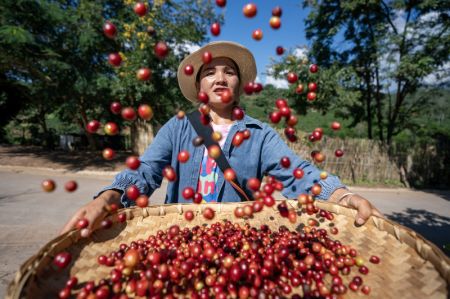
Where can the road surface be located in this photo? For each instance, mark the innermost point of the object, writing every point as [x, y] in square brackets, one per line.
[30, 218]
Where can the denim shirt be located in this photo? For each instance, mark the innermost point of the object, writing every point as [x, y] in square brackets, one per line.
[255, 157]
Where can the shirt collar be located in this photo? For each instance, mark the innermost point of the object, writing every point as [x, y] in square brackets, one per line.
[247, 120]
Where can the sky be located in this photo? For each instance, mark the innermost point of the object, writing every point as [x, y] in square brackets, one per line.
[238, 28]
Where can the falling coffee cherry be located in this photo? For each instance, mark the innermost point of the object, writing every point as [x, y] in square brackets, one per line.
[216, 136]
[275, 117]
[203, 97]
[238, 113]
[93, 126]
[169, 173]
[111, 128]
[145, 112]
[115, 107]
[62, 259]
[275, 22]
[214, 151]
[110, 30]
[204, 109]
[215, 29]
[316, 189]
[319, 157]
[313, 68]
[285, 162]
[279, 50]
[238, 138]
[181, 114]
[161, 50]
[312, 86]
[257, 34]
[70, 186]
[311, 96]
[133, 192]
[142, 201]
[82, 223]
[108, 153]
[226, 96]
[188, 70]
[183, 156]
[128, 113]
[257, 87]
[299, 89]
[248, 88]
[323, 175]
[209, 213]
[48, 185]
[246, 134]
[277, 11]
[188, 193]
[292, 77]
[298, 173]
[338, 153]
[229, 174]
[133, 162]
[189, 215]
[221, 3]
[144, 74]
[140, 9]
[197, 141]
[206, 57]
[249, 10]
[114, 59]
[335, 126]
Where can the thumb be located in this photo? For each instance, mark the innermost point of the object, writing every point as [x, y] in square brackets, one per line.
[364, 209]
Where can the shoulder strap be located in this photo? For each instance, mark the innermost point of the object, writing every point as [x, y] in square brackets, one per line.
[205, 132]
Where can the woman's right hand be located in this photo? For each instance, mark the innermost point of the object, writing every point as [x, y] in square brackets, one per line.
[94, 211]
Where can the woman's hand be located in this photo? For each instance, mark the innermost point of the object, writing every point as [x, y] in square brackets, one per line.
[94, 211]
[357, 202]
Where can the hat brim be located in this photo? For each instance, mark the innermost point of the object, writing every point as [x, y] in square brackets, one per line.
[238, 53]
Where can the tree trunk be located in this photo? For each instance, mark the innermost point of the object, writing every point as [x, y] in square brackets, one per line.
[368, 103]
[141, 136]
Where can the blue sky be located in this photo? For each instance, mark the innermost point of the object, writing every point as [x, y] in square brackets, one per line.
[239, 28]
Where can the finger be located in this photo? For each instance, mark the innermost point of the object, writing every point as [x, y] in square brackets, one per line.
[364, 209]
[72, 222]
[376, 212]
[94, 221]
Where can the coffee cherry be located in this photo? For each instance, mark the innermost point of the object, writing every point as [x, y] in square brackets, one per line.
[208, 213]
[253, 184]
[133, 162]
[188, 70]
[215, 29]
[206, 57]
[338, 153]
[62, 259]
[374, 259]
[82, 223]
[183, 156]
[48, 185]
[71, 186]
[142, 201]
[188, 193]
[285, 162]
[169, 173]
[133, 192]
[298, 173]
[313, 68]
[229, 174]
[189, 215]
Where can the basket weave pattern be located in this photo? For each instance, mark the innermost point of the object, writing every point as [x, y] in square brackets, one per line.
[410, 266]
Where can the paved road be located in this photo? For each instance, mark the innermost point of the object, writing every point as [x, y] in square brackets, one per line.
[29, 218]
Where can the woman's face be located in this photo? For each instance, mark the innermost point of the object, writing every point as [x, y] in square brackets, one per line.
[215, 77]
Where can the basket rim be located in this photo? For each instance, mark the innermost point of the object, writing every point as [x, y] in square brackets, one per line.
[424, 248]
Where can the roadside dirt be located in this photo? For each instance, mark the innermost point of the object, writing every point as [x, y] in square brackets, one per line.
[34, 156]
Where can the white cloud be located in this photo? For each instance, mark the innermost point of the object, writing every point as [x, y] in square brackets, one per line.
[301, 52]
[278, 83]
[440, 76]
[186, 47]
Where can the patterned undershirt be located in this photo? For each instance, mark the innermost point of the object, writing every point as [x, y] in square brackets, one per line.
[209, 170]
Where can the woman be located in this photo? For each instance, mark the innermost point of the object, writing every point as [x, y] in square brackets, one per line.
[222, 79]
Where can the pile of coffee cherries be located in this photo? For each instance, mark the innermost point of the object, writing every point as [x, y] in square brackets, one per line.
[228, 260]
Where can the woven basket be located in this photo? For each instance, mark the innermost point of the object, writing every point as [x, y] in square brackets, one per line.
[410, 267]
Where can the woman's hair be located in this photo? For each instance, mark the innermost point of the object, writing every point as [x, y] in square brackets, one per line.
[236, 67]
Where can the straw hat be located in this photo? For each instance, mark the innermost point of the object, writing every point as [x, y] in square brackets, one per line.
[238, 53]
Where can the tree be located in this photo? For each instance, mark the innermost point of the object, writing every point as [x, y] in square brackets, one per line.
[390, 46]
[177, 24]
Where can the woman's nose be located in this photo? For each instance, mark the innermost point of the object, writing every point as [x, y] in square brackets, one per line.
[220, 77]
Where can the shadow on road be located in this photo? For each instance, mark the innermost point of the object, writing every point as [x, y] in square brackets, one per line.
[433, 227]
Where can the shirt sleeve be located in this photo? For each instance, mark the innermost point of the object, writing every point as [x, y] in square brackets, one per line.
[273, 149]
[148, 176]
